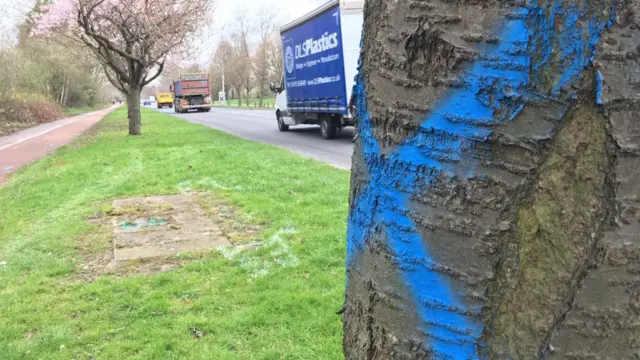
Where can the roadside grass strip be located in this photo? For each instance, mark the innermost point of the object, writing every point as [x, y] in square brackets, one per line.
[272, 294]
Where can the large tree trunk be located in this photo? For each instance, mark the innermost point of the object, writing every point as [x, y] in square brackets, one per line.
[133, 106]
[495, 209]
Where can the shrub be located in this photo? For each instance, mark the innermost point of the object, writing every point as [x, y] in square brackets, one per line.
[18, 114]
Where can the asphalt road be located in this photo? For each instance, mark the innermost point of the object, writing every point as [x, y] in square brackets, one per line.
[260, 125]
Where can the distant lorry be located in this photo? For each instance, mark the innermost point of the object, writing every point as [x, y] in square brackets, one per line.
[165, 99]
[191, 91]
[320, 52]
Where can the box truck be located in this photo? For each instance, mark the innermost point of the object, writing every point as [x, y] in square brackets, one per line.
[320, 53]
[165, 99]
[191, 91]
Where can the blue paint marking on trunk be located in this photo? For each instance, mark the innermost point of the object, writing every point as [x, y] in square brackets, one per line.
[599, 88]
[498, 85]
[572, 27]
[452, 326]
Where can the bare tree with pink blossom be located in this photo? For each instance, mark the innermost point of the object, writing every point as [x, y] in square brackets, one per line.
[132, 39]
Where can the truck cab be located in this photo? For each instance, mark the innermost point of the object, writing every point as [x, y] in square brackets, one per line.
[281, 106]
[320, 52]
[165, 99]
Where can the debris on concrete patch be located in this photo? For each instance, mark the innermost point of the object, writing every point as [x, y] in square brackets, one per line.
[162, 226]
[197, 333]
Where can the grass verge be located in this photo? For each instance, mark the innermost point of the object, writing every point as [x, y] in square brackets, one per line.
[244, 306]
[78, 111]
[267, 103]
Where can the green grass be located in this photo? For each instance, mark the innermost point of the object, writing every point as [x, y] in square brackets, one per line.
[78, 111]
[253, 103]
[289, 313]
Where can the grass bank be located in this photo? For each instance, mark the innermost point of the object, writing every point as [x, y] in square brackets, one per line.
[248, 305]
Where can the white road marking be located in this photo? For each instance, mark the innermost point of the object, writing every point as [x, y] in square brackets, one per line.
[38, 134]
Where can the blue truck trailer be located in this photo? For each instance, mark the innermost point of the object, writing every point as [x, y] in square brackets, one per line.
[320, 52]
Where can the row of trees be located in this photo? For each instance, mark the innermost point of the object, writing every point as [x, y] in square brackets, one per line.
[249, 56]
[55, 71]
[132, 40]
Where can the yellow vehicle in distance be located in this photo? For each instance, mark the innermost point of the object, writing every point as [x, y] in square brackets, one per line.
[165, 99]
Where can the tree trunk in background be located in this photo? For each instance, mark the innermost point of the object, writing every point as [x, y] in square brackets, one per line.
[133, 106]
[65, 97]
[495, 209]
[64, 82]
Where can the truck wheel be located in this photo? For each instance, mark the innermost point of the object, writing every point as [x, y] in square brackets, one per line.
[327, 130]
[281, 125]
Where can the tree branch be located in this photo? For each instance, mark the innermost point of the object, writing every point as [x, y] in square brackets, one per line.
[105, 57]
[115, 82]
[147, 82]
[83, 22]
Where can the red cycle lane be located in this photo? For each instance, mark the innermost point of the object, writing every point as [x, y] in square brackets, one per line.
[32, 144]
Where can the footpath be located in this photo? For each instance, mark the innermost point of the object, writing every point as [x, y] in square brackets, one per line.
[31, 144]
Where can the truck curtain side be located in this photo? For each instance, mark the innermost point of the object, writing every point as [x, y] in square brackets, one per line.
[192, 91]
[320, 55]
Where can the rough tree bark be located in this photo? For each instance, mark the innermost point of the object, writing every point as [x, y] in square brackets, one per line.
[131, 84]
[495, 208]
[133, 111]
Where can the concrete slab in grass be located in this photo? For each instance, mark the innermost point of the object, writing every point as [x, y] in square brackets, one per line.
[162, 226]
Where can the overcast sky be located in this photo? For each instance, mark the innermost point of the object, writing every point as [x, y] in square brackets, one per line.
[221, 24]
[11, 12]
[225, 14]
[288, 8]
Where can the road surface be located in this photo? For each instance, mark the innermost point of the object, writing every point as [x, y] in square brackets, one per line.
[260, 125]
[34, 143]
